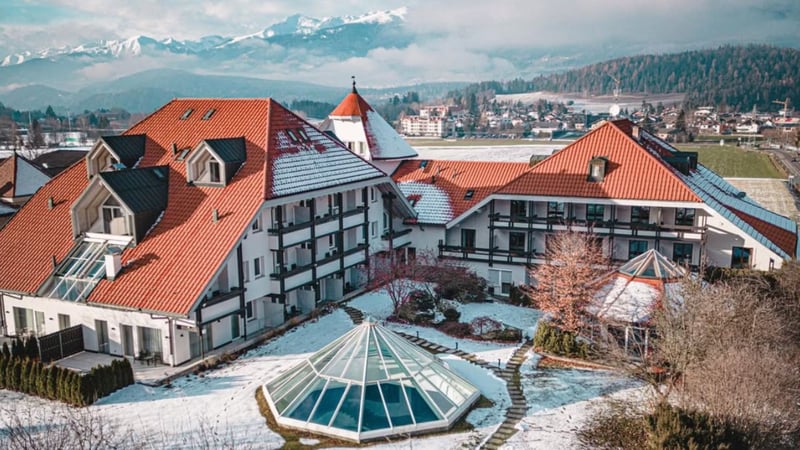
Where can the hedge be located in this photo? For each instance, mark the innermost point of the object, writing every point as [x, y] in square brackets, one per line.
[30, 376]
[553, 340]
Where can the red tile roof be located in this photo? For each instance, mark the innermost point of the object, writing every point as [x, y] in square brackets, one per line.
[456, 178]
[352, 105]
[169, 269]
[786, 240]
[632, 171]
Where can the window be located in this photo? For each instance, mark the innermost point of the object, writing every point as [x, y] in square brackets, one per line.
[373, 228]
[28, 321]
[385, 222]
[302, 133]
[555, 210]
[595, 213]
[468, 239]
[246, 270]
[208, 114]
[597, 169]
[640, 214]
[63, 321]
[235, 326]
[684, 216]
[516, 243]
[518, 208]
[258, 267]
[292, 136]
[113, 222]
[250, 310]
[500, 279]
[213, 171]
[636, 248]
[186, 114]
[469, 194]
[740, 257]
[372, 196]
[682, 253]
[256, 225]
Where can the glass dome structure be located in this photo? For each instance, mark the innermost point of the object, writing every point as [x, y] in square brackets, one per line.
[369, 383]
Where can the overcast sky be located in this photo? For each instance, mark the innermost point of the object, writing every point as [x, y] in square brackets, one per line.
[448, 31]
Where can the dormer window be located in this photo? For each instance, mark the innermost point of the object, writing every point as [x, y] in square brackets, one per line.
[213, 171]
[468, 196]
[208, 114]
[186, 114]
[113, 218]
[115, 153]
[114, 203]
[597, 168]
[215, 161]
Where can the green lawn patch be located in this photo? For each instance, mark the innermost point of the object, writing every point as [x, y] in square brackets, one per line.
[731, 161]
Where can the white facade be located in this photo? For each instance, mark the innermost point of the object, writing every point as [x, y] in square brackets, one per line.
[423, 126]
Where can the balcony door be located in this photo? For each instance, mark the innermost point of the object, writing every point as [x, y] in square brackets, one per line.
[468, 240]
[101, 328]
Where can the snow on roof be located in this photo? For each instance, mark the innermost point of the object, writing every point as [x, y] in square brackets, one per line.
[431, 203]
[384, 142]
[625, 300]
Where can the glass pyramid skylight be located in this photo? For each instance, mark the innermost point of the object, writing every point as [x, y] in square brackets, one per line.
[652, 264]
[367, 384]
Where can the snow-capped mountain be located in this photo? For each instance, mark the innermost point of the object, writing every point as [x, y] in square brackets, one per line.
[296, 26]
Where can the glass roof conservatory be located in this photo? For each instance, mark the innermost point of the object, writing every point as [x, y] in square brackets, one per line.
[369, 383]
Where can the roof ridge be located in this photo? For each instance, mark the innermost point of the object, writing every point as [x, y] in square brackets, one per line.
[268, 181]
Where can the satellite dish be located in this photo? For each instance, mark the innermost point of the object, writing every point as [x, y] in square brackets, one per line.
[614, 110]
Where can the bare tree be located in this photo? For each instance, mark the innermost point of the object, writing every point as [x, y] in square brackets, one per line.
[562, 285]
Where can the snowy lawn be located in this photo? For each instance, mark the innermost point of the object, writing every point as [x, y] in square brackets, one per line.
[560, 401]
[376, 304]
[223, 399]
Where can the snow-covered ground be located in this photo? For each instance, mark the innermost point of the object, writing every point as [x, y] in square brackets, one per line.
[221, 402]
[509, 153]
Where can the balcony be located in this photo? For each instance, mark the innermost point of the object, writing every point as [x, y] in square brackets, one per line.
[291, 270]
[494, 255]
[600, 228]
[326, 218]
[399, 238]
[221, 296]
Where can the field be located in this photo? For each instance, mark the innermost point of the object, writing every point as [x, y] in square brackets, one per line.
[731, 161]
[423, 142]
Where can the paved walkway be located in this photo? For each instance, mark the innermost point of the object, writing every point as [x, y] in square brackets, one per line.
[509, 374]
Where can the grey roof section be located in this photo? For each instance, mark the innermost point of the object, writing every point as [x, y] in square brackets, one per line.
[231, 150]
[723, 197]
[29, 178]
[55, 162]
[129, 148]
[142, 190]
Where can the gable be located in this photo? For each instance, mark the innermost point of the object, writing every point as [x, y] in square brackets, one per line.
[632, 172]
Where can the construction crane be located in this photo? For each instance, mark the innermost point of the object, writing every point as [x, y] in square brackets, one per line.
[785, 104]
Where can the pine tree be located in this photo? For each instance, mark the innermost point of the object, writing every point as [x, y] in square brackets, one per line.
[25, 376]
[16, 373]
[32, 348]
[52, 382]
[3, 366]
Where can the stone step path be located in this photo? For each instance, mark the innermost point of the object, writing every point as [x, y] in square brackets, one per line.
[355, 314]
[509, 374]
[519, 406]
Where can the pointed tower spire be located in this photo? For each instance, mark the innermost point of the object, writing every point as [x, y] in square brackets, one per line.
[354, 84]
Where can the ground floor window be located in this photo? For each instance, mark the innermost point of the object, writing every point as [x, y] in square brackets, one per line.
[149, 340]
[249, 311]
[500, 280]
[28, 321]
[636, 248]
[234, 326]
[682, 253]
[63, 321]
[740, 257]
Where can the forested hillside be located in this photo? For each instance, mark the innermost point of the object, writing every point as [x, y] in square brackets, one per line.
[736, 76]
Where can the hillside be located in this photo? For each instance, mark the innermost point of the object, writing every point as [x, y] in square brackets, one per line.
[737, 76]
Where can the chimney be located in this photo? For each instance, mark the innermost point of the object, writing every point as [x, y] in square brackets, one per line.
[113, 262]
[215, 215]
[50, 203]
[635, 132]
[174, 148]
